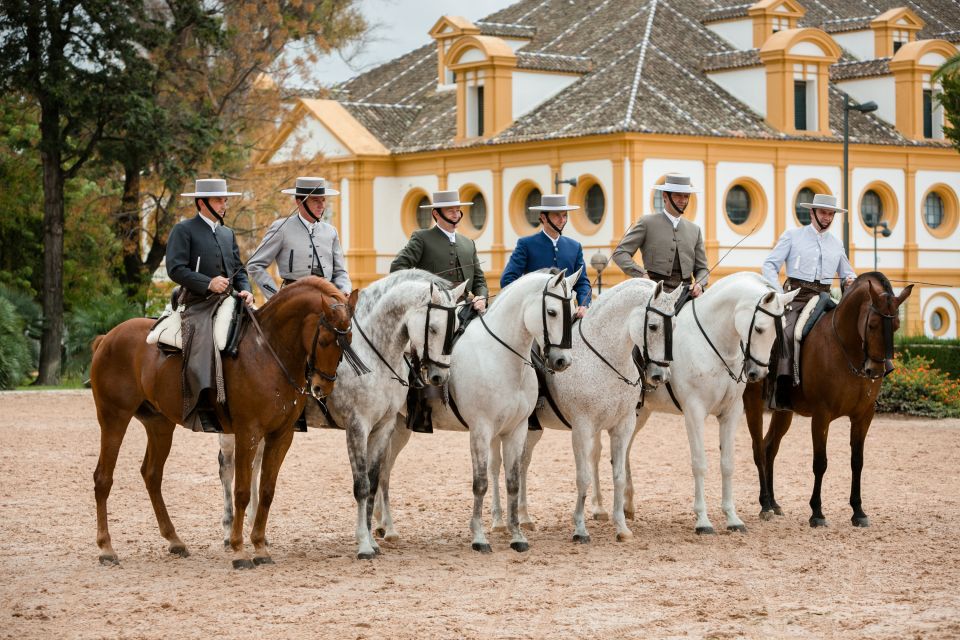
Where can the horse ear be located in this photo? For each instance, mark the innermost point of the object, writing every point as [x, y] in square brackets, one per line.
[560, 276]
[767, 299]
[352, 300]
[659, 289]
[903, 295]
[572, 280]
[787, 298]
[874, 294]
[458, 291]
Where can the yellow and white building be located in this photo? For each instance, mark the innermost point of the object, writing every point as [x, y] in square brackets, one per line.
[748, 99]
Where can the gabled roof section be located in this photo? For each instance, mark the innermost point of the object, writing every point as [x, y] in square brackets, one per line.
[451, 26]
[641, 65]
[901, 17]
[778, 7]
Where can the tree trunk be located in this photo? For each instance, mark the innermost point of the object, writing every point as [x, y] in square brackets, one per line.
[53, 182]
[133, 277]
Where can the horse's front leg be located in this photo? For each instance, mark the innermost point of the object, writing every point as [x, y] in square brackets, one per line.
[728, 436]
[113, 426]
[357, 438]
[779, 425]
[629, 509]
[819, 427]
[378, 445]
[583, 444]
[227, 469]
[381, 505]
[753, 407]
[480, 441]
[596, 503]
[245, 450]
[532, 438]
[270, 453]
[513, 444]
[694, 417]
[858, 434]
[620, 437]
[496, 512]
[159, 438]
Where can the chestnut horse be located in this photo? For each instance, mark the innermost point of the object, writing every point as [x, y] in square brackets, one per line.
[843, 361]
[305, 331]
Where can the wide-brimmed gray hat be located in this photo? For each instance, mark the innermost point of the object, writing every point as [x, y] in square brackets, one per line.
[442, 199]
[676, 183]
[823, 201]
[307, 186]
[210, 188]
[554, 202]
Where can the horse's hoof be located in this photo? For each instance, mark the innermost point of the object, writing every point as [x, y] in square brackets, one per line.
[582, 539]
[860, 522]
[499, 528]
[367, 555]
[705, 530]
[243, 564]
[742, 528]
[226, 543]
[109, 560]
[482, 548]
[180, 550]
[377, 551]
[766, 515]
[520, 546]
[390, 537]
[777, 510]
[380, 532]
[601, 516]
[818, 522]
[528, 526]
[623, 536]
[259, 560]
[630, 515]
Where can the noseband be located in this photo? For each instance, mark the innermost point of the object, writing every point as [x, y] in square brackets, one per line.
[747, 355]
[346, 350]
[447, 349]
[887, 328]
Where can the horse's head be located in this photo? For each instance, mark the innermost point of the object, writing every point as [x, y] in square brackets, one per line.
[327, 340]
[878, 320]
[431, 327]
[759, 324]
[651, 328]
[551, 320]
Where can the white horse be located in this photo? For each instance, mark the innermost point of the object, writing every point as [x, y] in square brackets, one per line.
[600, 391]
[494, 388]
[723, 340]
[410, 310]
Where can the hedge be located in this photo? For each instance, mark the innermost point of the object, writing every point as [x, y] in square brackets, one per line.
[916, 388]
[943, 354]
[16, 357]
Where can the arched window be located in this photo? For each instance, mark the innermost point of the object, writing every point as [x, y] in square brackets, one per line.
[737, 205]
[424, 216]
[595, 203]
[533, 200]
[933, 210]
[478, 212]
[871, 208]
[804, 196]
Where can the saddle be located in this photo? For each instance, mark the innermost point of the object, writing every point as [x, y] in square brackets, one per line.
[167, 331]
[811, 313]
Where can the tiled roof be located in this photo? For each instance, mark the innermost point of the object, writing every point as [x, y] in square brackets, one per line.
[846, 24]
[949, 36]
[725, 13]
[731, 59]
[643, 67]
[859, 69]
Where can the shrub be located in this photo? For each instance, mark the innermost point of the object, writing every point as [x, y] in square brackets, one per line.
[86, 322]
[918, 389]
[16, 357]
[944, 354]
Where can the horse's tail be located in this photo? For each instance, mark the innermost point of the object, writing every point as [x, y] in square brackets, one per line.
[96, 343]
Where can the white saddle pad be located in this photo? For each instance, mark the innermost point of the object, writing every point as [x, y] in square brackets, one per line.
[169, 331]
[803, 317]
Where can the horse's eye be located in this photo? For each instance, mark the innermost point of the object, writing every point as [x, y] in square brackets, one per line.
[433, 330]
[758, 330]
[652, 327]
[552, 313]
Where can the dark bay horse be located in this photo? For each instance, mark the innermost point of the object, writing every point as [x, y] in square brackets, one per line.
[843, 361]
[306, 327]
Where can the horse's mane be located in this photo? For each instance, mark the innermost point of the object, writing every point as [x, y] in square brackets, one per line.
[879, 277]
[309, 284]
[735, 278]
[507, 292]
[606, 296]
[372, 294]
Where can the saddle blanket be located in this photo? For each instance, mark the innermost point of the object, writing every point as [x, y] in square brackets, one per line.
[168, 329]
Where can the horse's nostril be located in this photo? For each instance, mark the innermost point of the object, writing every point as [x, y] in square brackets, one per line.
[657, 377]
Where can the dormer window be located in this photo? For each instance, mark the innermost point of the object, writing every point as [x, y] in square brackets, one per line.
[475, 111]
[919, 115]
[892, 29]
[483, 67]
[780, 23]
[773, 16]
[900, 38]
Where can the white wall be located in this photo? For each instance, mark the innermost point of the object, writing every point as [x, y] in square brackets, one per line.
[881, 90]
[654, 169]
[484, 180]
[798, 174]
[749, 86]
[859, 43]
[516, 43]
[388, 194]
[739, 33]
[309, 139]
[932, 299]
[530, 89]
[512, 176]
[925, 180]
[602, 170]
[727, 174]
[859, 236]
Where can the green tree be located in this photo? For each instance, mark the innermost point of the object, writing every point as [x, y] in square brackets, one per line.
[74, 61]
[948, 75]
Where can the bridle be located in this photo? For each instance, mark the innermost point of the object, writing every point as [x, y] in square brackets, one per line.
[746, 351]
[566, 338]
[667, 345]
[887, 328]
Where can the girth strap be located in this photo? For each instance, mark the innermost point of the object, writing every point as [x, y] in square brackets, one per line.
[456, 411]
[673, 397]
[545, 393]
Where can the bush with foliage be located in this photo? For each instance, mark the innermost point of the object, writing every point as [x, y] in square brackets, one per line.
[89, 320]
[16, 356]
[917, 389]
[943, 353]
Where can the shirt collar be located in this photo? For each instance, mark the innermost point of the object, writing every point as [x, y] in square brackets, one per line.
[309, 224]
[553, 240]
[451, 236]
[675, 221]
[213, 224]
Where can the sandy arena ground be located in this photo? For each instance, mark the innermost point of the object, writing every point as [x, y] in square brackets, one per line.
[897, 579]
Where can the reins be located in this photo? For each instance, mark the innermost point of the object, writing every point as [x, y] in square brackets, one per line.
[887, 340]
[393, 372]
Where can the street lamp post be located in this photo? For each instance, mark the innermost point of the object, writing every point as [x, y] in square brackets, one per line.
[874, 225]
[848, 106]
[557, 182]
[599, 262]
